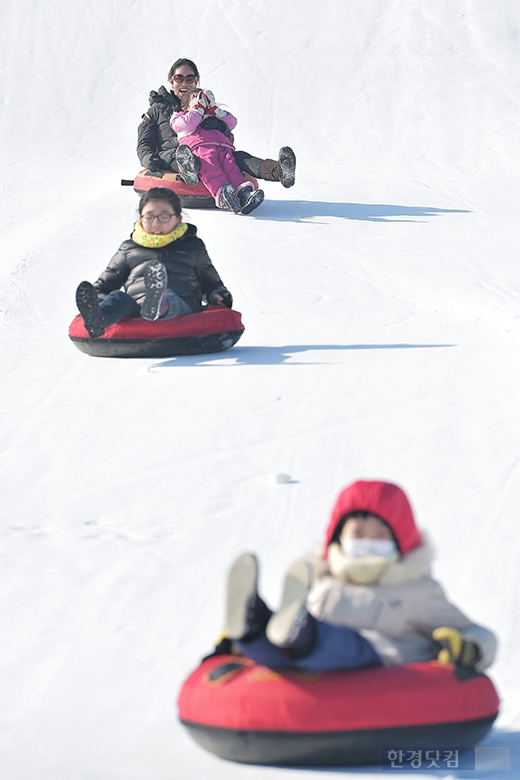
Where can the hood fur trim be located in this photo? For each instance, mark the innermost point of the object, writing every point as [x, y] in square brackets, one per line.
[414, 566]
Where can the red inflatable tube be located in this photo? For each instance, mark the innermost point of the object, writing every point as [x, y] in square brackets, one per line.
[197, 197]
[252, 714]
[214, 329]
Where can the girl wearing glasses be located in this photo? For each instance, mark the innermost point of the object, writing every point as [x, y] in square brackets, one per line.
[164, 269]
[214, 148]
[157, 144]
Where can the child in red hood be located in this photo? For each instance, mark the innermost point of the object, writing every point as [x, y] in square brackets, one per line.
[368, 599]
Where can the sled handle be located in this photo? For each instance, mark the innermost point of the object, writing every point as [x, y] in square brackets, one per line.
[127, 182]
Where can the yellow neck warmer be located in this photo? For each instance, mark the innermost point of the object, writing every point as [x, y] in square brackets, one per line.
[141, 237]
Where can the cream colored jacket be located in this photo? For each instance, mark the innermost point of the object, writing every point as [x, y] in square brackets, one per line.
[397, 614]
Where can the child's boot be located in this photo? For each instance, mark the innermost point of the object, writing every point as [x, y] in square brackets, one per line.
[188, 165]
[249, 198]
[292, 627]
[156, 284]
[227, 199]
[87, 302]
[246, 613]
[287, 160]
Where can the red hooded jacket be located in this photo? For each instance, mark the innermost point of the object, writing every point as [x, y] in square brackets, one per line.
[383, 499]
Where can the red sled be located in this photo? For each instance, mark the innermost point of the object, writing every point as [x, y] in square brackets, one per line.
[196, 197]
[249, 713]
[214, 329]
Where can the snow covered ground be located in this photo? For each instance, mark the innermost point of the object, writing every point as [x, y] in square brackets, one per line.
[381, 298]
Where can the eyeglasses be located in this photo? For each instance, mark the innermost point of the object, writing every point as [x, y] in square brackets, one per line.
[179, 78]
[150, 218]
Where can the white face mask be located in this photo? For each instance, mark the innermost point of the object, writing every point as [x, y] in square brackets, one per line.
[359, 548]
[362, 561]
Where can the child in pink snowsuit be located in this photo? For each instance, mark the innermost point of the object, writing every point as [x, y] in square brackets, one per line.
[218, 169]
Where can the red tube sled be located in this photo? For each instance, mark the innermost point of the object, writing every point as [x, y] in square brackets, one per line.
[214, 329]
[248, 713]
[196, 197]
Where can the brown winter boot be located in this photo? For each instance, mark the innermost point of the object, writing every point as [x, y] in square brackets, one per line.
[282, 170]
[270, 170]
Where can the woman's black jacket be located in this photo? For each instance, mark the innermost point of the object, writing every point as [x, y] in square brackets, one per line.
[156, 141]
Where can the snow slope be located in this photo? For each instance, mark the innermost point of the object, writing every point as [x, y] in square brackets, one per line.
[381, 298]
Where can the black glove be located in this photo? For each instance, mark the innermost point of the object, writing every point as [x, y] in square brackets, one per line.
[153, 164]
[156, 173]
[227, 298]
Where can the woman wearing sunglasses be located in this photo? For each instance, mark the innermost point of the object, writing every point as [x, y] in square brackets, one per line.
[157, 144]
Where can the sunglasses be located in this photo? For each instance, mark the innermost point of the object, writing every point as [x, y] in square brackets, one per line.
[179, 78]
[149, 219]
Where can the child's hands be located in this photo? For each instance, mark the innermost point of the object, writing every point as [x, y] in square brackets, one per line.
[212, 108]
[154, 166]
[455, 649]
[220, 297]
[200, 104]
[209, 97]
[216, 111]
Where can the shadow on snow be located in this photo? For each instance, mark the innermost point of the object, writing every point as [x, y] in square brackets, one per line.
[302, 210]
[275, 356]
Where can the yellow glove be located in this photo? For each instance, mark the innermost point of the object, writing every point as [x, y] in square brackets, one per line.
[224, 645]
[455, 649]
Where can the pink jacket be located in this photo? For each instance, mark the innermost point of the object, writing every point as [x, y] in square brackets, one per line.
[186, 126]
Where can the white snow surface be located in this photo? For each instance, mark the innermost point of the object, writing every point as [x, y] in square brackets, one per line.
[381, 299]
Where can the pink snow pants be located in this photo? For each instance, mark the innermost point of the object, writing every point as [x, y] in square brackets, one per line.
[217, 167]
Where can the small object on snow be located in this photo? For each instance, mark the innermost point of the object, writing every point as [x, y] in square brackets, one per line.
[279, 479]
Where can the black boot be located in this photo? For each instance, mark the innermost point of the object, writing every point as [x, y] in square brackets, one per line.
[249, 198]
[228, 200]
[87, 302]
[244, 192]
[246, 613]
[292, 627]
[188, 165]
[287, 160]
[282, 170]
[156, 283]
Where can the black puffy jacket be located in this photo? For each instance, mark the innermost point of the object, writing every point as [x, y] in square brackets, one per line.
[191, 273]
[156, 141]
